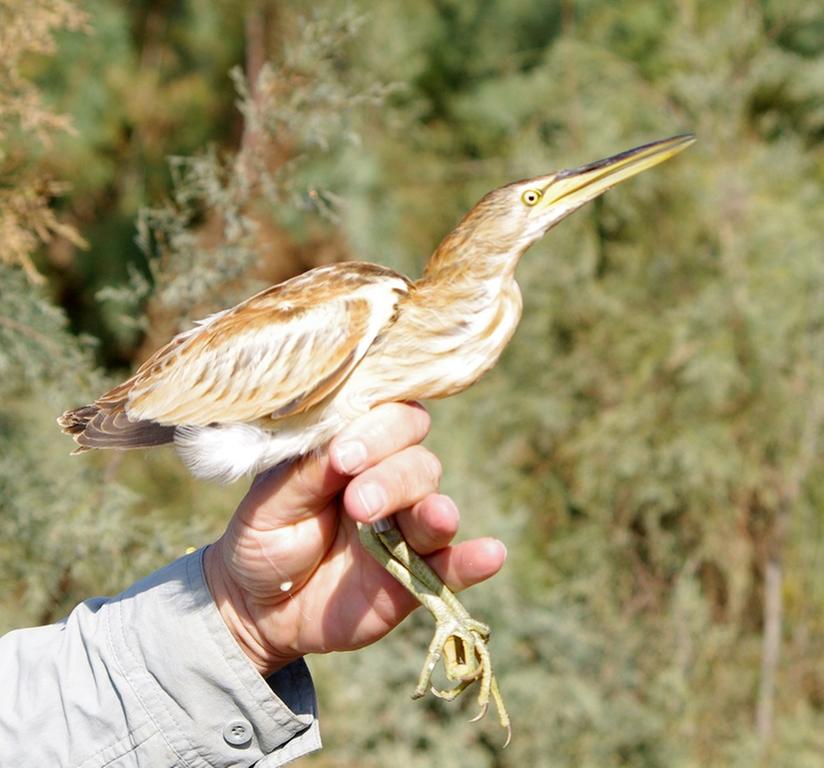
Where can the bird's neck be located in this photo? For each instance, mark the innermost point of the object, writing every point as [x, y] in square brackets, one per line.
[467, 301]
[466, 278]
[461, 293]
[464, 256]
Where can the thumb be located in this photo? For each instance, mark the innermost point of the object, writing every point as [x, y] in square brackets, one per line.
[291, 491]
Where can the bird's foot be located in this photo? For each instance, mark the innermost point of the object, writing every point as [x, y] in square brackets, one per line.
[459, 642]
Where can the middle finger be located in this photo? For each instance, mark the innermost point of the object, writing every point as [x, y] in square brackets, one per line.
[398, 482]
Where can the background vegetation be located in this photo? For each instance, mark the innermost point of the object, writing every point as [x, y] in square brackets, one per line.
[650, 445]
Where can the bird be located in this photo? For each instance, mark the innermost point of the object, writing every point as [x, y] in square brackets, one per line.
[280, 374]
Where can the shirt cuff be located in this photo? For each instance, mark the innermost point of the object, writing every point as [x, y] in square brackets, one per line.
[195, 684]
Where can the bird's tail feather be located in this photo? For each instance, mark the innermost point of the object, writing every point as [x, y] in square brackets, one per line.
[108, 426]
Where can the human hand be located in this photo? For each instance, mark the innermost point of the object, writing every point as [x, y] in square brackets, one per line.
[289, 574]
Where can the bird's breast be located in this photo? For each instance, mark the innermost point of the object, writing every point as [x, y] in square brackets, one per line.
[435, 350]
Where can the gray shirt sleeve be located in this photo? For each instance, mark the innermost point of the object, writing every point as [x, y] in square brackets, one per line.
[151, 678]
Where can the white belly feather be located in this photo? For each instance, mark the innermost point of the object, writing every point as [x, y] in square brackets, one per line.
[227, 452]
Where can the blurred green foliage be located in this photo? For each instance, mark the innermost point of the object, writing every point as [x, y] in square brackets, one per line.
[649, 446]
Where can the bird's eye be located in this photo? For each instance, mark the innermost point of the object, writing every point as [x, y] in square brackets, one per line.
[531, 196]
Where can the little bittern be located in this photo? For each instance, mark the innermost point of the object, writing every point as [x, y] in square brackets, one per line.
[284, 371]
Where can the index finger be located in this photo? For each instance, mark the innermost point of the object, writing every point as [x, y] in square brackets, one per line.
[386, 429]
[291, 492]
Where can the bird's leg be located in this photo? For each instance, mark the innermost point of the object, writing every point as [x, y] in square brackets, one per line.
[423, 594]
[397, 545]
[462, 662]
[459, 640]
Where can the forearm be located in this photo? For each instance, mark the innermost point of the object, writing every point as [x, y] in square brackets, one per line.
[149, 677]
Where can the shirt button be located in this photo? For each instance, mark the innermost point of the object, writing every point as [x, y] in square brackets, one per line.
[238, 733]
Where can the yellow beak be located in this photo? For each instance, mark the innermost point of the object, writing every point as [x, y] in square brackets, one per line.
[577, 186]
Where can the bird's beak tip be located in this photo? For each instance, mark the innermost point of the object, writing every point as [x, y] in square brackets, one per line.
[654, 152]
[588, 181]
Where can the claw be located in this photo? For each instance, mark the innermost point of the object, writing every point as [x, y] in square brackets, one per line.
[450, 694]
[508, 736]
[482, 714]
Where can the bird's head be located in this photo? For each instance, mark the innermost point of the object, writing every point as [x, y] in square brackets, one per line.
[510, 219]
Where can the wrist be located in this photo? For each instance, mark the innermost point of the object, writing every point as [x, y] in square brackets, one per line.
[234, 609]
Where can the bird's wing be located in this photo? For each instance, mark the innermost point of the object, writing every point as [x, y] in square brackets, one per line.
[274, 355]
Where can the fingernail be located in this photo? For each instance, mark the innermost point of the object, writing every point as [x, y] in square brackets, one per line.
[373, 498]
[503, 547]
[351, 455]
[452, 507]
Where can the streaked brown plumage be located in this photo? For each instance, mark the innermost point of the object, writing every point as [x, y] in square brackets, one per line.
[281, 373]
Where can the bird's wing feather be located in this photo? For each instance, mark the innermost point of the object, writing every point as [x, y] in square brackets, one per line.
[274, 355]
